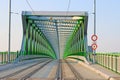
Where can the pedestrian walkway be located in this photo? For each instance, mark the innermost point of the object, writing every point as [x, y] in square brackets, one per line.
[106, 72]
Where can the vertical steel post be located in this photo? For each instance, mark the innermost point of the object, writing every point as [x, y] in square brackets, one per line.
[94, 16]
[35, 41]
[58, 39]
[2, 58]
[108, 61]
[116, 64]
[32, 40]
[112, 62]
[94, 51]
[9, 31]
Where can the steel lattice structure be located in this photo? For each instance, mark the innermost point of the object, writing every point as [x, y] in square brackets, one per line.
[54, 34]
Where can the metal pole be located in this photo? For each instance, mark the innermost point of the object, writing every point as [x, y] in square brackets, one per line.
[58, 39]
[94, 51]
[9, 30]
[95, 17]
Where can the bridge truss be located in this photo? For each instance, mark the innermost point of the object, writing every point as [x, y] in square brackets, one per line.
[54, 34]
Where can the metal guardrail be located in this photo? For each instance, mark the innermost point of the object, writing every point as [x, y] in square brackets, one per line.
[4, 57]
[14, 56]
[108, 60]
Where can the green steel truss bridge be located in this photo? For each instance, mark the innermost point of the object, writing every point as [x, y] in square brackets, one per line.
[54, 34]
[54, 47]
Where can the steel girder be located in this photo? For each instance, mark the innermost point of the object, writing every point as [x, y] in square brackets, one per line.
[34, 40]
[77, 42]
[54, 34]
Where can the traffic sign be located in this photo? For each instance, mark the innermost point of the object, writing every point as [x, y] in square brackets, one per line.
[94, 46]
[94, 37]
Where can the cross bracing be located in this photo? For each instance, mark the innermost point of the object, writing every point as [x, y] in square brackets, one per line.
[54, 34]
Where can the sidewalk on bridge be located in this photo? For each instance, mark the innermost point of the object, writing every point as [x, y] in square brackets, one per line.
[108, 74]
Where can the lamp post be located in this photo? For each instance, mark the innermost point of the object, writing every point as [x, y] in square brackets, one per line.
[9, 31]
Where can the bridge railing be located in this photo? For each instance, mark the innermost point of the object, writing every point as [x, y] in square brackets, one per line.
[4, 57]
[108, 60]
[19, 56]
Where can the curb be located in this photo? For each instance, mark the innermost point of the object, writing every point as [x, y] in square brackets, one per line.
[108, 77]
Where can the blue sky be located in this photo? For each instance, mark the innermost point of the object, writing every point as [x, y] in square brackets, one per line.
[108, 23]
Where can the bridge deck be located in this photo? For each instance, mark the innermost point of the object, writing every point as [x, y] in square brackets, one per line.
[79, 70]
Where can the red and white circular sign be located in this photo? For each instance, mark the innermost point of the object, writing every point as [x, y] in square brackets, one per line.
[94, 46]
[94, 37]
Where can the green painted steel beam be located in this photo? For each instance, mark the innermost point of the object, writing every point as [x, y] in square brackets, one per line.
[54, 35]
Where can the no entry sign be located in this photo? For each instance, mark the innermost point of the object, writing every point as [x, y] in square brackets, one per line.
[94, 37]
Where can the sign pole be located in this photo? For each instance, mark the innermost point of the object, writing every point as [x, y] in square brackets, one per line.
[94, 17]
[94, 51]
[9, 31]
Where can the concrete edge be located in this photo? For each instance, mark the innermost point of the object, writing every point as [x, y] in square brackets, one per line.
[108, 77]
